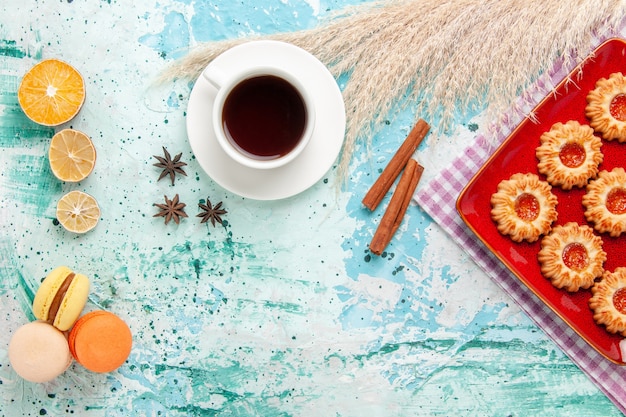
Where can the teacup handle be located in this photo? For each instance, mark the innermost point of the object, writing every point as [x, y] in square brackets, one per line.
[215, 76]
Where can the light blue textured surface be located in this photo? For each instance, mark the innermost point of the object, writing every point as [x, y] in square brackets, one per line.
[282, 311]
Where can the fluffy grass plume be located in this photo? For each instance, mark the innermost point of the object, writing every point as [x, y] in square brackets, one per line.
[449, 58]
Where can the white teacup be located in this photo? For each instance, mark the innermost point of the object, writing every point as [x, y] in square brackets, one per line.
[263, 116]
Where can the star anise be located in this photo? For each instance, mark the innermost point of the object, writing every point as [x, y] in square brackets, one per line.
[170, 166]
[214, 214]
[171, 210]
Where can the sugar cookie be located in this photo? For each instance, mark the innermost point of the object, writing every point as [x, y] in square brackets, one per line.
[523, 207]
[571, 256]
[569, 154]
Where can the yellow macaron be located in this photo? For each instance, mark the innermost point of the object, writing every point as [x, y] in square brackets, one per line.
[61, 297]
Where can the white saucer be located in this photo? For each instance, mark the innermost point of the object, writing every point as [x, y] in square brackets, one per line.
[314, 161]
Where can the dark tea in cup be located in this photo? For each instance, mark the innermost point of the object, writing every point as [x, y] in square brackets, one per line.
[264, 117]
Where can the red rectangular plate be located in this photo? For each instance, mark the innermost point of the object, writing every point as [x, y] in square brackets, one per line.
[517, 154]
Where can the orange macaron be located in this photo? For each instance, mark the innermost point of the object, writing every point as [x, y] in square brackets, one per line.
[100, 341]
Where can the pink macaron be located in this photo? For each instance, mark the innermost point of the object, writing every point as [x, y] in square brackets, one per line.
[39, 352]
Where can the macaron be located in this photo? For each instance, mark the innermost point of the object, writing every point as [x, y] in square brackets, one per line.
[100, 341]
[61, 297]
[39, 352]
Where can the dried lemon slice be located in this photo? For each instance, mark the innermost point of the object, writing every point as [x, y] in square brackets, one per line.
[78, 212]
[51, 92]
[72, 155]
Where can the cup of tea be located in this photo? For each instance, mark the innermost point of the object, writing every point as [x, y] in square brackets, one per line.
[263, 116]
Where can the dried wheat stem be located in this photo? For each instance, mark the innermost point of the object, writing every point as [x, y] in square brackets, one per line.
[449, 57]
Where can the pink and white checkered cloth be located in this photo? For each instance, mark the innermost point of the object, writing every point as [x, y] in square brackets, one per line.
[438, 199]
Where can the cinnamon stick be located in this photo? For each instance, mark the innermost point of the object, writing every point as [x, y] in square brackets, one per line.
[380, 187]
[392, 218]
